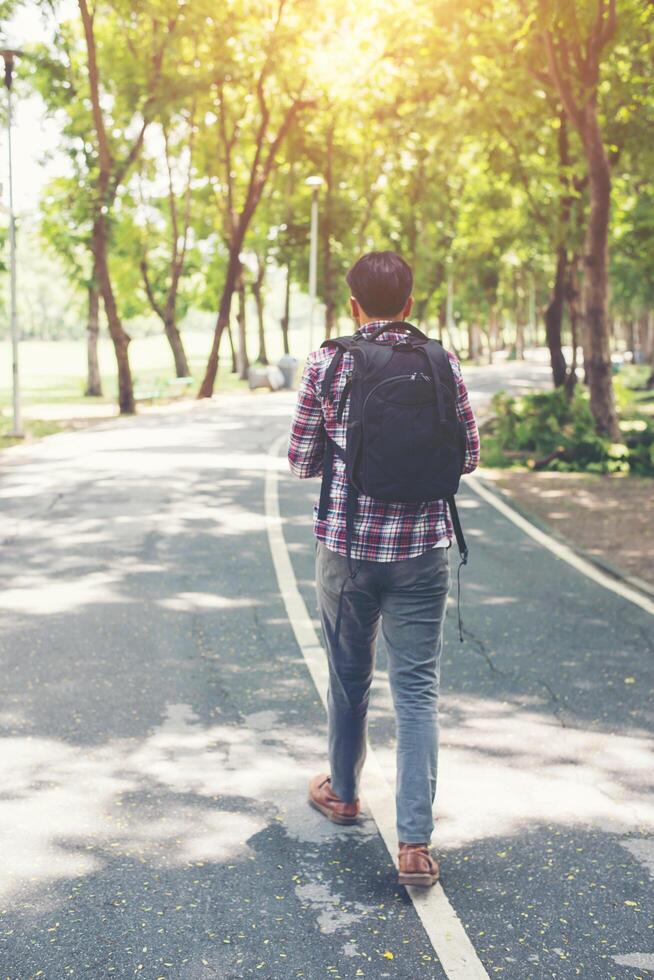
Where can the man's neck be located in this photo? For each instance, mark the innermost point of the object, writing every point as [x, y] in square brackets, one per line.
[364, 321]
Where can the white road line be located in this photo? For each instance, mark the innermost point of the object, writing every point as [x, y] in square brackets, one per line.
[456, 953]
[559, 549]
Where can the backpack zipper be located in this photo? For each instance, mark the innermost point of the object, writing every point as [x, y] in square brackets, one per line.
[398, 377]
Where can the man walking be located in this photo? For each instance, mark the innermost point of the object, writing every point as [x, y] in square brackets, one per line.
[378, 562]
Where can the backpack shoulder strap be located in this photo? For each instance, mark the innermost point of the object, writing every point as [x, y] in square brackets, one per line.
[435, 349]
[342, 345]
[441, 372]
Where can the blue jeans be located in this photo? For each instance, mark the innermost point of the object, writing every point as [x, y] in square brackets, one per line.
[409, 598]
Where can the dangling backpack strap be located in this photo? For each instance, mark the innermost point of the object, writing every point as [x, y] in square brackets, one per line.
[438, 356]
[463, 553]
[332, 449]
[350, 514]
[458, 531]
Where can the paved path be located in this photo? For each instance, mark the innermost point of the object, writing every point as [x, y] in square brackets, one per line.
[159, 726]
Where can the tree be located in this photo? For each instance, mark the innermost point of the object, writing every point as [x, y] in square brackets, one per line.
[113, 168]
[257, 287]
[575, 42]
[163, 272]
[66, 214]
[256, 99]
[289, 238]
[65, 226]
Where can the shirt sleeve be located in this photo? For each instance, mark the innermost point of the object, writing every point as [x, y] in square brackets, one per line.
[306, 447]
[466, 415]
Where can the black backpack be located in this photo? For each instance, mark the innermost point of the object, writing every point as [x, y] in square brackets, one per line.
[405, 443]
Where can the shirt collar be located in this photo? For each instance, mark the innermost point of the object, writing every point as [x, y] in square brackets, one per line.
[368, 329]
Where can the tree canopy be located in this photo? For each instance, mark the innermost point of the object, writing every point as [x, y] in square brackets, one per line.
[502, 146]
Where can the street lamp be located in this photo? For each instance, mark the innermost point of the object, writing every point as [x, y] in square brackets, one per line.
[314, 183]
[449, 300]
[9, 55]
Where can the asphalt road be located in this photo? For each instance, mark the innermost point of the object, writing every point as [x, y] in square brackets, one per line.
[514, 377]
[160, 725]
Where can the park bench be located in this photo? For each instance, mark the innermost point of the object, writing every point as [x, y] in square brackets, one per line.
[179, 386]
[170, 388]
[147, 393]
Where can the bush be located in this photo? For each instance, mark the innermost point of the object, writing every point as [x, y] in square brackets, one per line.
[548, 430]
[640, 446]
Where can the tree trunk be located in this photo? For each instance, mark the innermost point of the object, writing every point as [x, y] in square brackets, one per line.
[118, 335]
[474, 341]
[532, 319]
[259, 175]
[519, 337]
[554, 311]
[93, 379]
[257, 292]
[491, 334]
[650, 340]
[222, 321]
[262, 356]
[554, 318]
[574, 313]
[598, 363]
[643, 348]
[287, 309]
[176, 345]
[168, 316]
[420, 312]
[242, 349]
[630, 336]
[500, 342]
[232, 347]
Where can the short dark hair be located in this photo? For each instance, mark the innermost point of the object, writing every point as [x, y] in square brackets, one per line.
[381, 283]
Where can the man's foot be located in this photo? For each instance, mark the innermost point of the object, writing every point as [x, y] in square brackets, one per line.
[417, 866]
[323, 798]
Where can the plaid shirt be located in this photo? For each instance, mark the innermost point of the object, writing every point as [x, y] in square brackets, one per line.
[382, 531]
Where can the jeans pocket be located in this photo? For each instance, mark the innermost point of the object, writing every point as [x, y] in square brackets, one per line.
[331, 569]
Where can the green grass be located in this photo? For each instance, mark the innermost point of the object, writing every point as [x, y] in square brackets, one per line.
[34, 428]
[53, 374]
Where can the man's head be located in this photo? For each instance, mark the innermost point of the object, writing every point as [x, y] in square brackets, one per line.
[380, 284]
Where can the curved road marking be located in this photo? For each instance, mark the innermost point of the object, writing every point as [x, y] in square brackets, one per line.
[559, 549]
[456, 953]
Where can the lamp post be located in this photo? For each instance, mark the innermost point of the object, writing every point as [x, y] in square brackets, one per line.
[449, 301]
[314, 183]
[9, 54]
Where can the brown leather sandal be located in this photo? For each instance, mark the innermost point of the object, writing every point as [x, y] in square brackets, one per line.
[417, 866]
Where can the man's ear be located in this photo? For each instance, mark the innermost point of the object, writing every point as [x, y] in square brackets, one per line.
[406, 312]
[356, 309]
